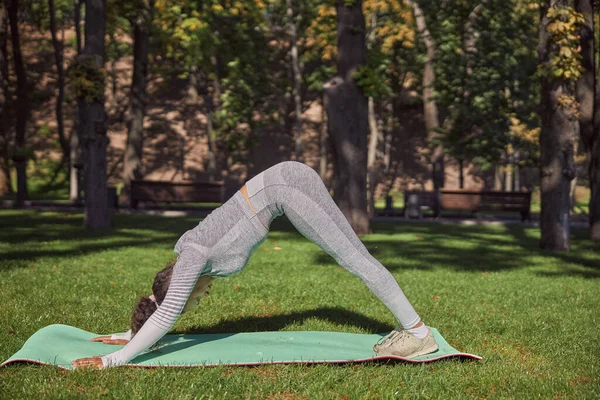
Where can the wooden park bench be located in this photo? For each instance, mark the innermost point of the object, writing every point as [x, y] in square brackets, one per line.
[176, 192]
[414, 200]
[487, 200]
[466, 200]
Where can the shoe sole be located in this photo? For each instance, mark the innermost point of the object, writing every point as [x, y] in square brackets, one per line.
[427, 350]
[422, 352]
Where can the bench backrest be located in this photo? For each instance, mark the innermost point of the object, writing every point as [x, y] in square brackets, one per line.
[426, 199]
[179, 192]
[491, 200]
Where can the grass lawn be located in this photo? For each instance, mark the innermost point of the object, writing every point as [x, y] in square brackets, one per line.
[533, 316]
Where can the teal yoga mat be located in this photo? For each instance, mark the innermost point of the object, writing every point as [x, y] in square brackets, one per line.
[60, 344]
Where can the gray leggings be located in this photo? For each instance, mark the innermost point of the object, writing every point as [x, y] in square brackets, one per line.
[297, 191]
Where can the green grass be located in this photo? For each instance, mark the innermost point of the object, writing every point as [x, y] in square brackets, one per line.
[532, 315]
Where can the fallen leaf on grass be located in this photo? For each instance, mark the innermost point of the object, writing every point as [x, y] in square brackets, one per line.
[236, 287]
[11, 332]
[113, 283]
[436, 297]
[55, 267]
[277, 248]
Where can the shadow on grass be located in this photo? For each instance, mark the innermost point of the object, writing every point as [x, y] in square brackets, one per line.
[28, 232]
[473, 248]
[268, 324]
[278, 322]
[422, 246]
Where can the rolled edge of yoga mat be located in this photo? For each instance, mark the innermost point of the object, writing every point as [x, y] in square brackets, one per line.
[58, 345]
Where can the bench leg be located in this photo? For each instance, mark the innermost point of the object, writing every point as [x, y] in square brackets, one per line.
[525, 215]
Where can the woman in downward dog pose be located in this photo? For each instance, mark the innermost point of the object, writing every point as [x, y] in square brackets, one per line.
[223, 242]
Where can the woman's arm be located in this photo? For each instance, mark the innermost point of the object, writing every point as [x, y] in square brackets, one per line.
[185, 274]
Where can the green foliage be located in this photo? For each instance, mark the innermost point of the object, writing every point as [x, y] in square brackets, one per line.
[564, 58]
[226, 43]
[485, 75]
[38, 12]
[317, 78]
[86, 79]
[44, 131]
[371, 80]
[563, 27]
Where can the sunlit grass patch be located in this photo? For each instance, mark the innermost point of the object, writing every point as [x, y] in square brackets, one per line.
[531, 314]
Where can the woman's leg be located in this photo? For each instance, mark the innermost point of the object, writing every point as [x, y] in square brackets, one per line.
[299, 192]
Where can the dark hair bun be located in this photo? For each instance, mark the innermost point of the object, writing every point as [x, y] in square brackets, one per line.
[143, 310]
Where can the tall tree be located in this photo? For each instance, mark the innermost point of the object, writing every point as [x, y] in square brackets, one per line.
[90, 82]
[58, 57]
[5, 183]
[347, 117]
[139, 98]
[74, 147]
[595, 152]
[293, 33]
[20, 155]
[586, 86]
[558, 109]
[430, 108]
[77, 20]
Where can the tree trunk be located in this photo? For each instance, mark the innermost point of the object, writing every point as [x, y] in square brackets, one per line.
[113, 72]
[516, 172]
[498, 178]
[585, 85]
[430, 110]
[193, 85]
[461, 174]
[139, 98]
[22, 105]
[58, 57]
[77, 18]
[74, 160]
[212, 144]
[92, 121]
[372, 172]
[387, 149]
[508, 178]
[557, 139]
[293, 32]
[214, 103]
[75, 150]
[323, 139]
[594, 230]
[348, 119]
[586, 88]
[5, 183]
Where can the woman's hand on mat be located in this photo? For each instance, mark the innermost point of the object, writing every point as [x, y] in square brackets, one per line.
[89, 362]
[108, 340]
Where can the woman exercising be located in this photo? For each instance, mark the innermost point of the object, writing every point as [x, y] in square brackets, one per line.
[222, 243]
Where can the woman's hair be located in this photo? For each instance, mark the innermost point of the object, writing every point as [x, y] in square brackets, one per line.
[146, 307]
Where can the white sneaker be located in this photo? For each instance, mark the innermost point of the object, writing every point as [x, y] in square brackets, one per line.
[404, 344]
